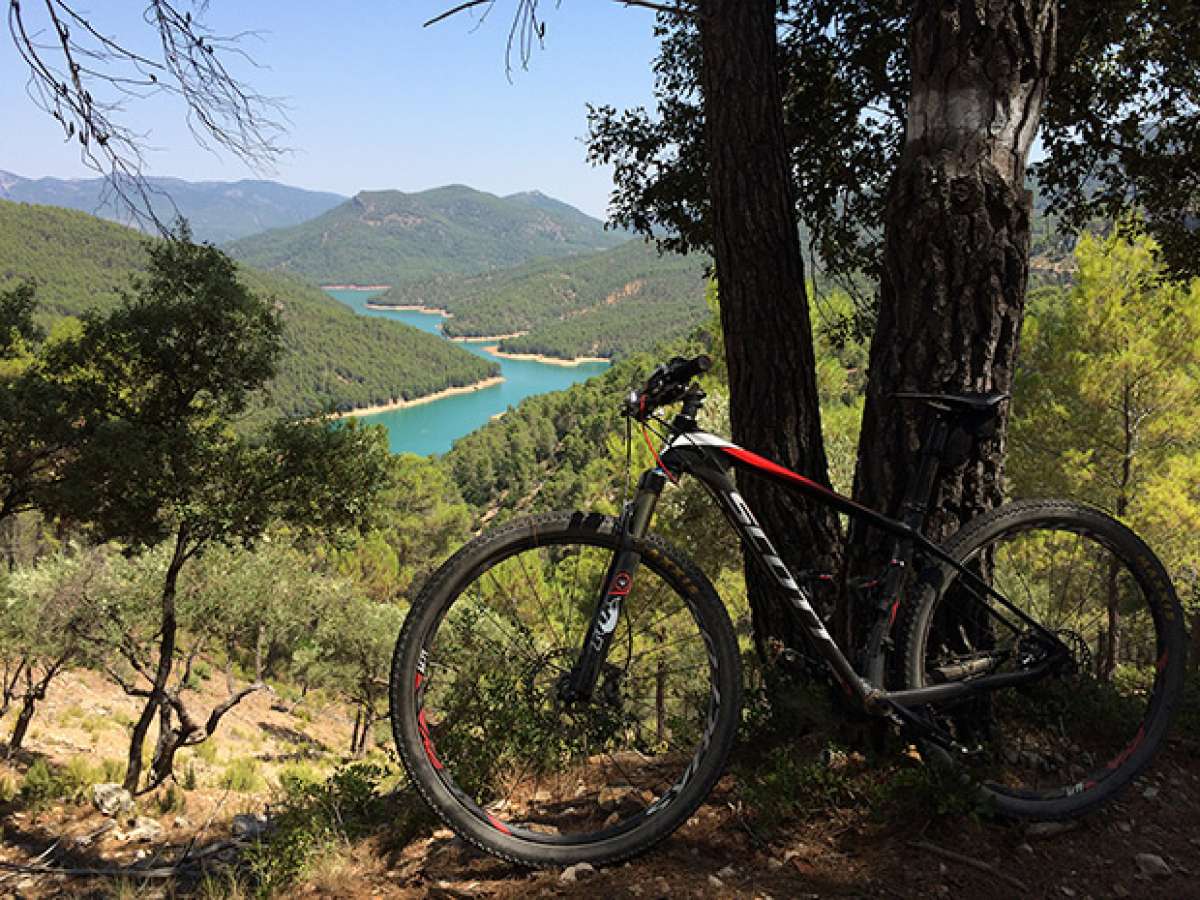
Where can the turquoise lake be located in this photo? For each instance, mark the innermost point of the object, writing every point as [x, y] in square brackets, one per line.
[433, 427]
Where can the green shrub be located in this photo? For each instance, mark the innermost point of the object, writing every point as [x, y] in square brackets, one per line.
[9, 789]
[206, 751]
[313, 816]
[40, 785]
[241, 775]
[189, 781]
[171, 800]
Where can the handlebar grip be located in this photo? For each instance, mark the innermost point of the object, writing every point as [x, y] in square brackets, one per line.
[682, 370]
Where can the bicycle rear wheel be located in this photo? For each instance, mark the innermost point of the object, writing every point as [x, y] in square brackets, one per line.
[1069, 741]
[480, 722]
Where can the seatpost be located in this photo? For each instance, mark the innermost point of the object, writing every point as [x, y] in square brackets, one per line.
[920, 489]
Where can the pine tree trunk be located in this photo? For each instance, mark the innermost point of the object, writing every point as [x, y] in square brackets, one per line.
[956, 258]
[21, 728]
[764, 307]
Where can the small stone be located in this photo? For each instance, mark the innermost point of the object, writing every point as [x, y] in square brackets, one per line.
[141, 854]
[1125, 827]
[111, 799]
[1152, 865]
[144, 829]
[727, 872]
[716, 882]
[774, 863]
[1068, 891]
[1025, 848]
[577, 872]
[1150, 793]
[1049, 829]
[249, 825]
[611, 798]
[182, 822]
[1120, 890]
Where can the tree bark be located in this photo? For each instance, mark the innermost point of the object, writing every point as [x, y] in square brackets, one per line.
[956, 257]
[21, 728]
[166, 661]
[764, 305]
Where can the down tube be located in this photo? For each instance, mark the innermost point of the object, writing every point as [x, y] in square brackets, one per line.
[760, 547]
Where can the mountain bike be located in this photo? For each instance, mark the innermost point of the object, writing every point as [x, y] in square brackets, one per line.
[567, 687]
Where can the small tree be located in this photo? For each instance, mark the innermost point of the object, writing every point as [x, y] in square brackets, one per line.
[47, 610]
[352, 653]
[1106, 399]
[161, 381]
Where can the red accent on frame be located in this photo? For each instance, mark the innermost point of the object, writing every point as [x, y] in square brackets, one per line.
[895, 609]
[423, 728]
[761, 462]
[418, 685]
[497, 824]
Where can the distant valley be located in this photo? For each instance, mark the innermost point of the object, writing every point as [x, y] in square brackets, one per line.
[334, 357]
[540, 276]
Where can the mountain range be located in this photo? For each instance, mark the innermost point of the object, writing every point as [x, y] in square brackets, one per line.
[218, 211]
[394, 238]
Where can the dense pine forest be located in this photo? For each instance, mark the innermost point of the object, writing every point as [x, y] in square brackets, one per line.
[335, 359]
[393, 238]
[601, 304]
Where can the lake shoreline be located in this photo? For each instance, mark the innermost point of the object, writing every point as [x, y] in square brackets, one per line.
[548, 360]
[410, 307]
[355, 287]
[417, 401]
[485, 338]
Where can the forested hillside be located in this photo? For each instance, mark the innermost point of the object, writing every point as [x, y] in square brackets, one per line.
[216, 210]
[603, 304]
[389, 237]
[334, 358]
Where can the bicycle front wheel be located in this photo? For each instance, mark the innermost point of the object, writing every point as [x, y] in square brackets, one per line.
[1062, 745]
[479, 717]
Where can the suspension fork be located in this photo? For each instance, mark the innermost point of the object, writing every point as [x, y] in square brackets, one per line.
[618, 581]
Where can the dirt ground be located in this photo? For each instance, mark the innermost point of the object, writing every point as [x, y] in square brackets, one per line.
[843, 851]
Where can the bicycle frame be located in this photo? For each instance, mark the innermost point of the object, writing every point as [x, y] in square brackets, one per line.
[709, 458]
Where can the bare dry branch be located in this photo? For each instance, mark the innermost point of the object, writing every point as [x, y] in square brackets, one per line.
[83, 78]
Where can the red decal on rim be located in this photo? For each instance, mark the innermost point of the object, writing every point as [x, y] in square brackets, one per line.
[497, 824]
[895, 609]
[418, 685]
[423, 728]
[1128, 751]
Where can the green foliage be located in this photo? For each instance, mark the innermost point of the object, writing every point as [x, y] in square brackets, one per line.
[1106, 396]
[790, 782]
[44, 782]
[387, 237]
[332, 358]
[242, 775]
[354, 802]
[610, 304]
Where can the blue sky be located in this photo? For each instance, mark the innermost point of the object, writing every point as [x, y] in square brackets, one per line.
[376, 101]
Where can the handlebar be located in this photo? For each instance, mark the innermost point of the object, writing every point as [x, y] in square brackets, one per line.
[666, 384]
